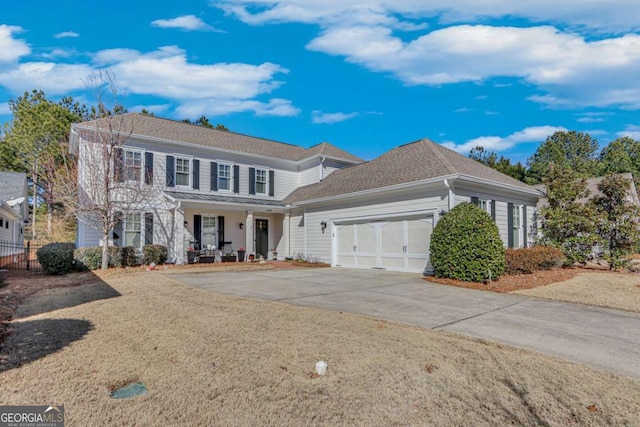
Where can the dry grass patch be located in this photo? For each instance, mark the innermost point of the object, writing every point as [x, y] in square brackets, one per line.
[611, 290]
[211, 359]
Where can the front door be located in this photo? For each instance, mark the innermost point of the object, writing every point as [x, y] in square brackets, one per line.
[262, 238]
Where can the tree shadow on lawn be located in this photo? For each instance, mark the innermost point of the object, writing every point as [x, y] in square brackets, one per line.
[31, 340]
[58, 298]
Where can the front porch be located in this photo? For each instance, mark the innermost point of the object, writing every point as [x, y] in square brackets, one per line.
[211, 230]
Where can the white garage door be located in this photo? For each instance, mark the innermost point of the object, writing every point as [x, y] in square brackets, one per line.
[400, 245]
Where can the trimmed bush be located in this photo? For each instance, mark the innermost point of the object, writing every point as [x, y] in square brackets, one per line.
[528, 260]
[466, 245]
[157, 254]
[115, 256]
[89, 258]
[56, 258]
[129, 256]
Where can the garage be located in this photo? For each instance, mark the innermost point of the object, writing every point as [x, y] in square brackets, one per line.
[390, 244]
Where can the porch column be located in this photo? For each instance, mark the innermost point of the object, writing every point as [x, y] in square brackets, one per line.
[248, 229]
[179, 236]
[285, 233]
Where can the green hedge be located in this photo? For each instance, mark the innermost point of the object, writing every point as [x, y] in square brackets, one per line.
[156, 254]
[466, 245]
[89, 258]
[56, 258]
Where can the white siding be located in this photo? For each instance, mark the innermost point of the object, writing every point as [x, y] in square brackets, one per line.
[296, 233]
[309, 176]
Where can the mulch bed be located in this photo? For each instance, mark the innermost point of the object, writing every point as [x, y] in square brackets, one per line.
[510, 283]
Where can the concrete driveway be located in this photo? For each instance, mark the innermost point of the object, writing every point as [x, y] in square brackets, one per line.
[602, 338]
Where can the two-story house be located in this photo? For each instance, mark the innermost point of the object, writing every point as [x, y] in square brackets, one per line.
[14, 209]
[231, 191]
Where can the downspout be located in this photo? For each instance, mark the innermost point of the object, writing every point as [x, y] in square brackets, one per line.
[452, 195]
[321, 172]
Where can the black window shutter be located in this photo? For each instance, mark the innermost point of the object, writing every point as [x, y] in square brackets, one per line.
[220, 232]
[148, 168]
[196, 174]
[510, 225]
[252, 180]
[493, 210]
[148, 228]
[475, 201]
[118, 164]
[272, 183]
[524, 225]
[214, 176]
[171, 171]
[197, 229]
[236, 179]
[118, 238]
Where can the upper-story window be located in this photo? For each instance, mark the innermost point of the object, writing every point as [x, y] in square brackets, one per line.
[261, 181]
[132, 165]
[183, 171]
[224, 176]
[484, 205]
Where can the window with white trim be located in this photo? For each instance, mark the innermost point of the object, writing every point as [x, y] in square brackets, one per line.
[183, 171]
[261, 181]
[224, 176]
[484, 205]
[132, 167]
[517, 226]
[133, 230]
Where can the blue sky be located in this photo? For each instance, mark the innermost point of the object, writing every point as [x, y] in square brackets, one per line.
[365, 75]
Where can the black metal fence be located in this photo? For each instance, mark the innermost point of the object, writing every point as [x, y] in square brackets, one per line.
[19, 256]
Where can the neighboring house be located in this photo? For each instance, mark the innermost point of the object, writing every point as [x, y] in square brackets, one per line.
[14, 209]
[234, 191]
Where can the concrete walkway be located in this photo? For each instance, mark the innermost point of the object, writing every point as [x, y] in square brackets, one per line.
[602, 338]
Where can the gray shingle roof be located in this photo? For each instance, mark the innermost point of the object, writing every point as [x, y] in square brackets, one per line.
[412, 162]
[12, 185]
[223, 199]
[151, 126]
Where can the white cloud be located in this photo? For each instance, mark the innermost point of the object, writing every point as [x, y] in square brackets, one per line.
[53, 78]
[11, 49]
[219, 88]
[274, 107]
[4, 109]
[594, 117]
[632, 131]
[154, 108]
[491, 113]
[58, 53]
[567, 68]
[500, 143]
[66, 34]
[186, 22]
[463, 110]
[318, 117]
[597, 14]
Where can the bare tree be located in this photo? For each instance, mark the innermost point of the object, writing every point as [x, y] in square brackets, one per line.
[110, 186]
